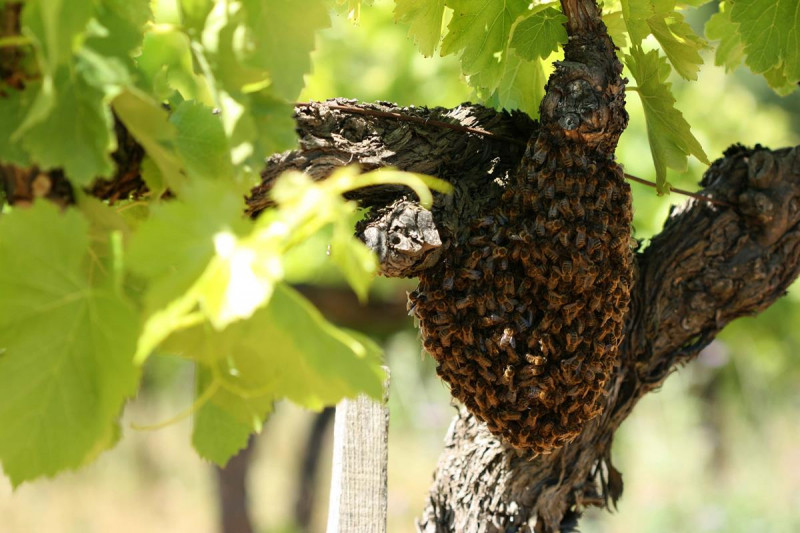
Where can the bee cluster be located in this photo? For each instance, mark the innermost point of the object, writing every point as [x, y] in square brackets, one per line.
[524, 312]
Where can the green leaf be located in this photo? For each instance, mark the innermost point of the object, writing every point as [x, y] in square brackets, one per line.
[480, 32]
[118, 28]
[770, 31]
[285, 350]
[521, 87]
[424, 20]
[259, 125]
[306, 360]
[67, 339]
[166, 65]
[14, 106]
[225, 421]
[56, 27]
[671, 139]
[174, 246]
[351, 8]
[730, 50]
[149, 124]
[75, 132]
[201, 142]
[635, 13]
[680, 43]
[283, 38]
[615, 24]
[357, 262]
[539, 34]
[194, 14]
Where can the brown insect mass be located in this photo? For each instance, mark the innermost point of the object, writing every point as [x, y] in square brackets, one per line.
[526, 330]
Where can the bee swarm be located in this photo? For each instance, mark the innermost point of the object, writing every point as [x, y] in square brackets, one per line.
[523, 313]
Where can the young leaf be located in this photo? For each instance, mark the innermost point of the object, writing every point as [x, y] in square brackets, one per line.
[67, 339]
[201, 142]
[424, 20]
[680, 43]
[521, 87]
[75, 131]
[730, 50]
[480, 32]
[149, 124]
[285, 350]
[770, 31]
[539, 34]
[282, 38]
[671, 140]
[225, 419]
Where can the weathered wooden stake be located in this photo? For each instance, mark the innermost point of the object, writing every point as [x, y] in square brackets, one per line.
[360, 455]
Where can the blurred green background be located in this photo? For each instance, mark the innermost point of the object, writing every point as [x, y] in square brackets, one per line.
[717, 449]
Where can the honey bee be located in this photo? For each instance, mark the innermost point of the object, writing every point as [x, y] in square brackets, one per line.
[507, 339]
[466, 301]
[491, 320]
[484, 222]
[473, 259]
[440, 319]
[478, 240]
[466, 335]
[508, 375]
[499, 235]
[474, 275]
[573, 340]
[577, 207]
[447, 283]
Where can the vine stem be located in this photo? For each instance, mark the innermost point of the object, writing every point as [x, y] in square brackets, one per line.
[485, 133]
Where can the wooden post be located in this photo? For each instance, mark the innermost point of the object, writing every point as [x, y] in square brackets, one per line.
[360, 455]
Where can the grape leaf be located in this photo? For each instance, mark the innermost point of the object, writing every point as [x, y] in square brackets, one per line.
[306, 359]
[424, 20]
[201, 142]
[635, 13]
[258, 126]
[194, 14]
[615, 24]
[480, 32]
[539, 34]
[521, 87]
[357, 262]
[770, 31]
[149, 124]
[680, 43]
[352, 8]
[166, 65]
[286, 349]
[67, 339]
[56, 28]
[118, 28]
[174, 246]
[75, 131]
[283, 38]
[671, 140]
[13, 108]
[720, 27]
[224, 421]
